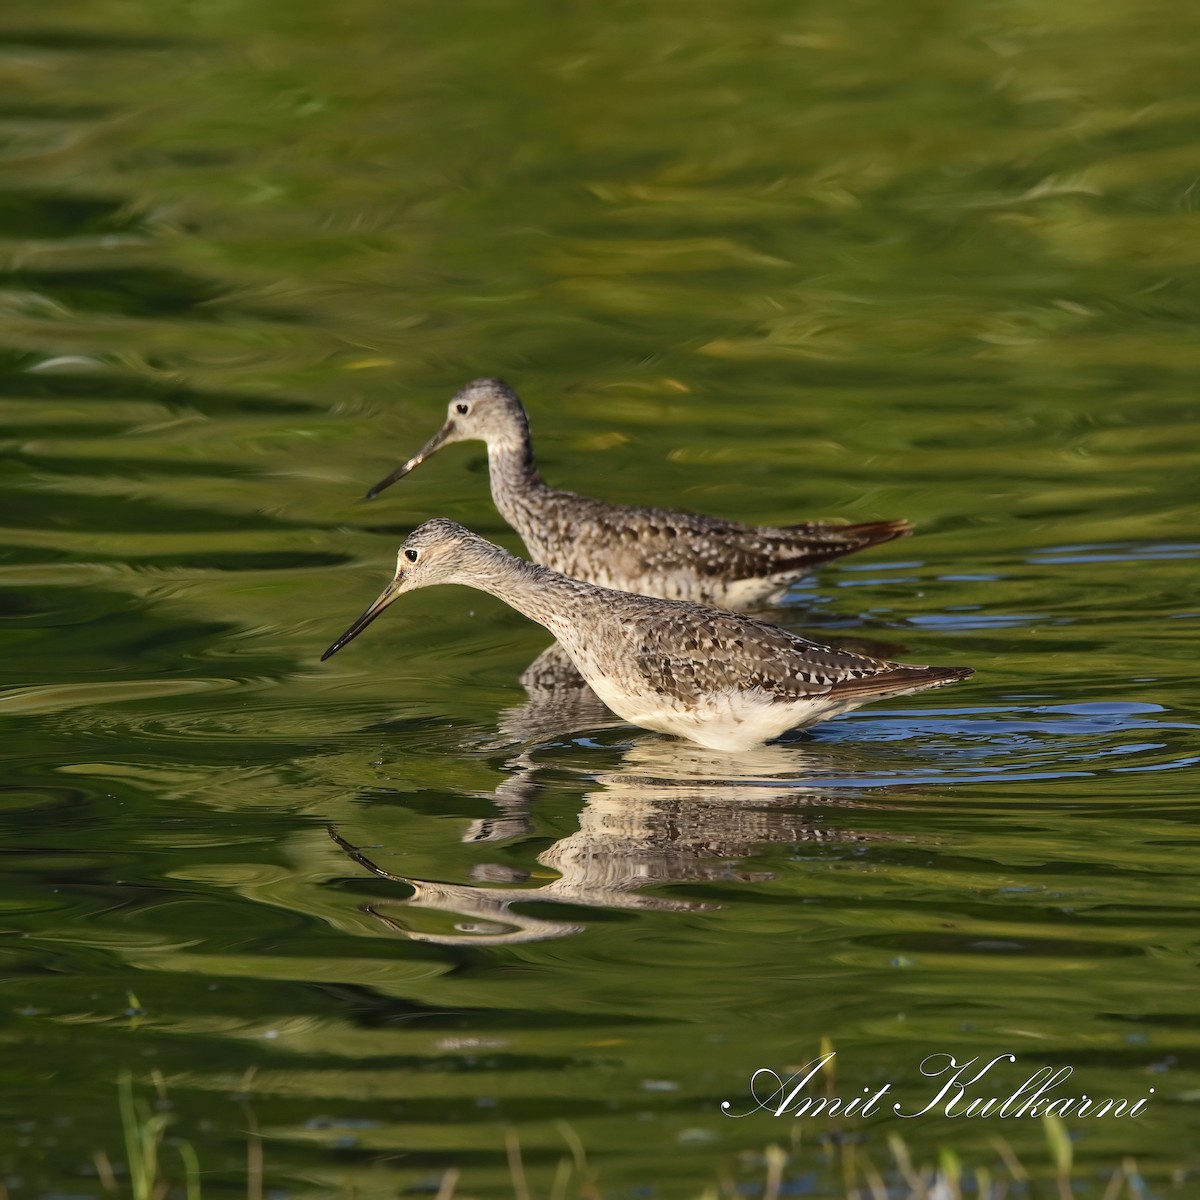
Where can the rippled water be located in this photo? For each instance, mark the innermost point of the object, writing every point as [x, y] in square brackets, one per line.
[768, 261]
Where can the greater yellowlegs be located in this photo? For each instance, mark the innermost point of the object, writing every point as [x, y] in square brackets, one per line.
[652, 551]
[726, 681]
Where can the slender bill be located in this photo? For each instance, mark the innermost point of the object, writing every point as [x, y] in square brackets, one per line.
[435, 443]
[388, 594]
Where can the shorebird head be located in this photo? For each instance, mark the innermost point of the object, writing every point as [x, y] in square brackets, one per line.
[486, 410]
[440, 551]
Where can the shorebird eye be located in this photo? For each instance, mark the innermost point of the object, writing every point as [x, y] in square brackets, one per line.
[462, 408]
[411, 555]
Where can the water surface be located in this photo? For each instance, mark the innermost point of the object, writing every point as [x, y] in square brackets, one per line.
[763, 260]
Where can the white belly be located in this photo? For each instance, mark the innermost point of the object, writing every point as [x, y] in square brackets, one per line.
[738, 722]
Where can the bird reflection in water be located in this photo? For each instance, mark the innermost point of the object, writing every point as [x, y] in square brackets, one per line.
[672, 812]
[558, 703]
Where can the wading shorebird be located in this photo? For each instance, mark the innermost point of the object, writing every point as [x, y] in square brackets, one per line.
[726, 681]
[651, 551]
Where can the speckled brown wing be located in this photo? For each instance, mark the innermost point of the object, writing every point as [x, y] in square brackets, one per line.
[666, 541]
[701, 651]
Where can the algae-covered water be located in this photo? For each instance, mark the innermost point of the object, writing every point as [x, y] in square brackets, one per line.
[394, 915]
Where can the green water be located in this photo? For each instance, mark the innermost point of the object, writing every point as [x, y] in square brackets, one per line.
[934, 261]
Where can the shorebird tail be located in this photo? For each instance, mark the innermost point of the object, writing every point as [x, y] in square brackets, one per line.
[901, 680]
[853, 537]
[873, 533]
[815, 543]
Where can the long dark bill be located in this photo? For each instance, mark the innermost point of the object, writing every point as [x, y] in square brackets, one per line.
[434, 444]
[388, 594]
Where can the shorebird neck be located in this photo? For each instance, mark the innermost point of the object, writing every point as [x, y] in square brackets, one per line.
[514, 475]
[534, 591]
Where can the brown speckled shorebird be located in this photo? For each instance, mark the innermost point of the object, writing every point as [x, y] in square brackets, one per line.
[726, 681]
[652, 551]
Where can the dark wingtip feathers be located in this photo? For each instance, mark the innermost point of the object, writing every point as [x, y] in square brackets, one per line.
[813, 544]
[901, 680]
[874, 533]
